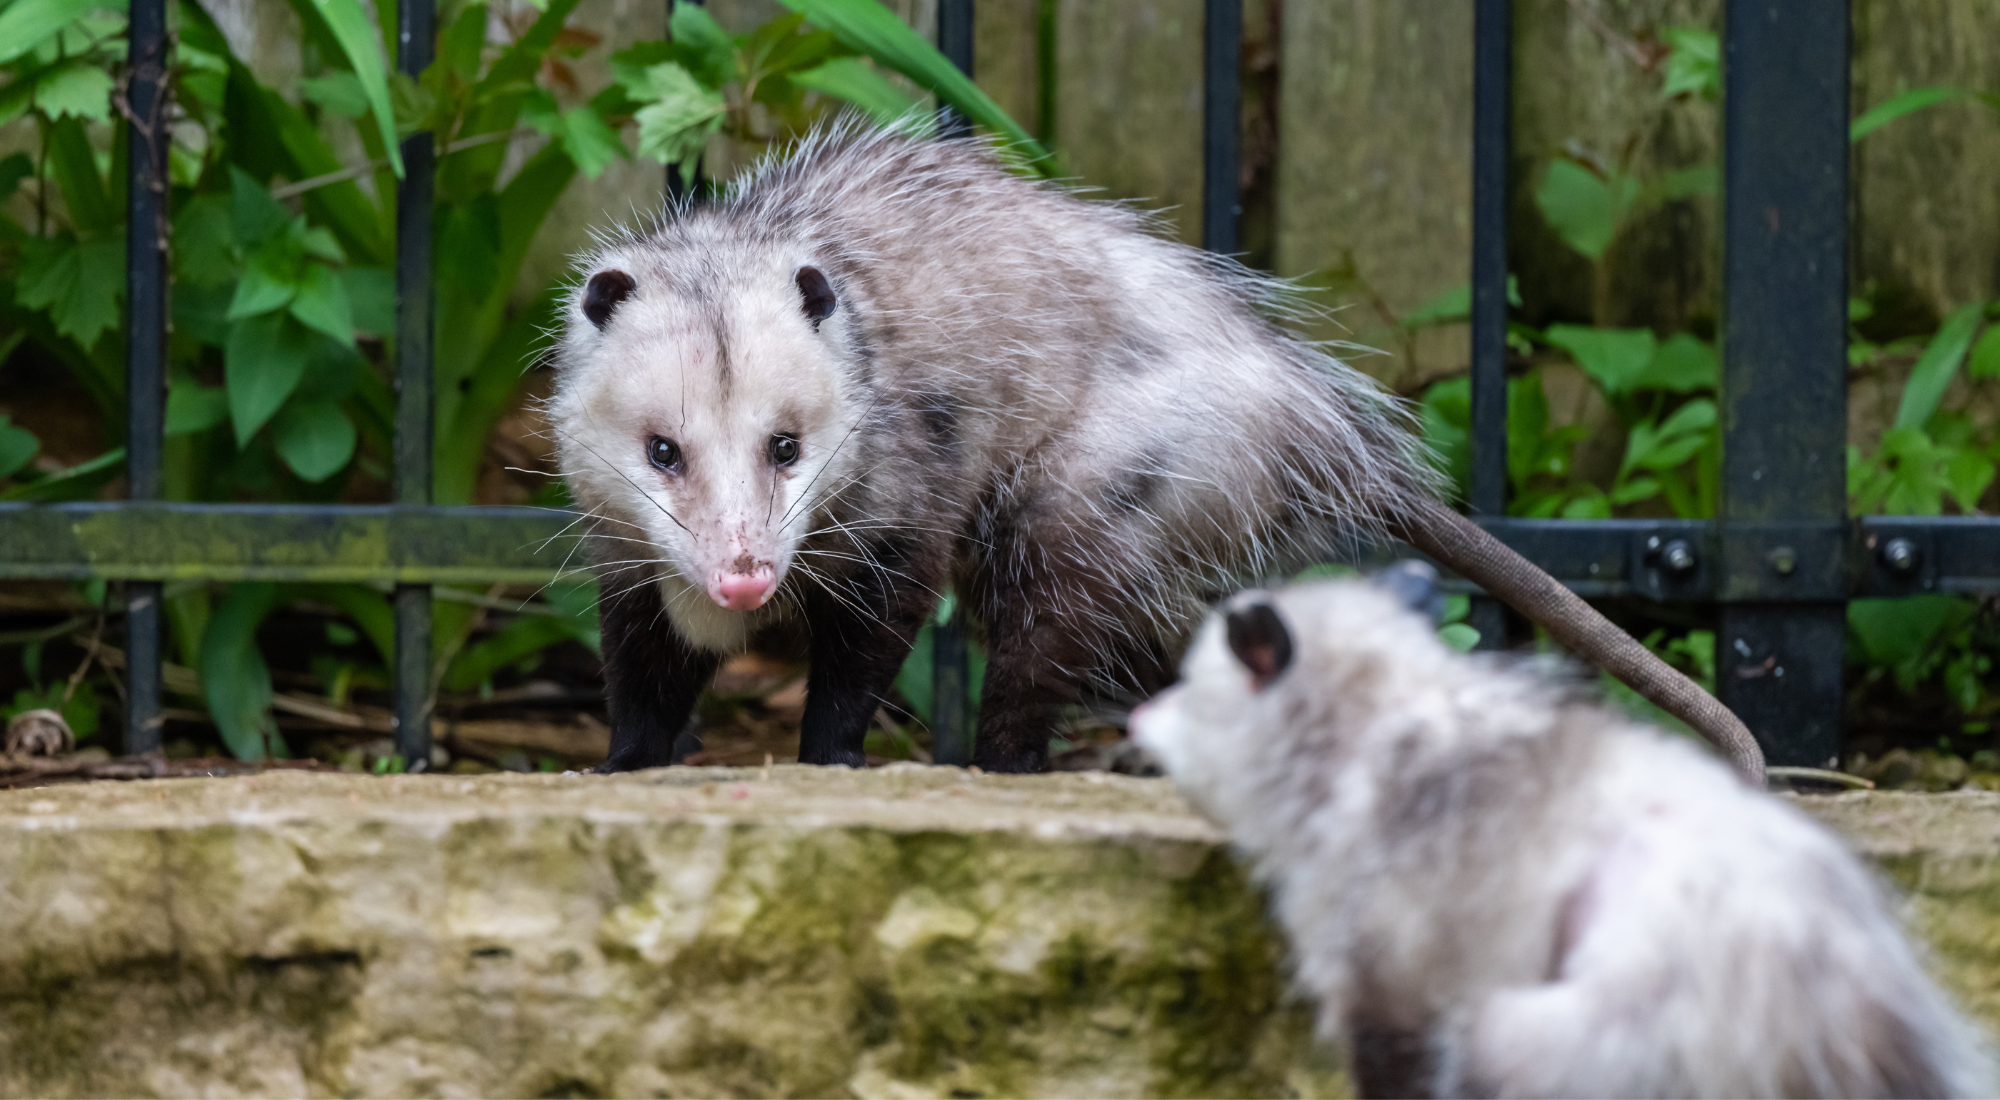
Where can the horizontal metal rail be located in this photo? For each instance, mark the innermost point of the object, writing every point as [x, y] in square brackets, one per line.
[287, 542]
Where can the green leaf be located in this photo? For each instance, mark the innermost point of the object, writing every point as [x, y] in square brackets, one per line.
[1985, 359]
[590, 142]
[1583, 210]
[1616, 357]
[24, 23]
[1527, 425]
[270, 282]
[315, 438]
[371, 294]
[256, 216]
[78, 482]
[1447, 419]
[701, 43]
[80, 285]
[1895, 107]
[675, 125]
[234, 678]
[867, 27]
[1683, 364]
[75, 90]
[468, 246]
[1460, 636]
[1636, 490]
[851, 79]
[14, 167]
[18, 447]
[339, 92]
[1936, 367]
[1893, 631]
[1674, 441]
[193, 407]
[524, 637]
[262, 364]
[464, 43]
[349, 23]
[204, 242]
[1694, 63]
[75, 163]
[321, 303]
[1590, 503]
[1967, 473]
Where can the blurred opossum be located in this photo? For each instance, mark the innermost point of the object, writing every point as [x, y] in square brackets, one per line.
[1496, 889]
[884, 366]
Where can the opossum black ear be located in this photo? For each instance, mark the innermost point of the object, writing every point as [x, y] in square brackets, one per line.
[1259, 639]
[603, 293]
[815, 294]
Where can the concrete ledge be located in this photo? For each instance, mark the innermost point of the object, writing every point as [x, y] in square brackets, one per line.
[902, 932]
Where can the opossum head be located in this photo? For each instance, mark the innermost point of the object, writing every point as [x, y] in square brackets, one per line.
[1279, 677]
[704, 411]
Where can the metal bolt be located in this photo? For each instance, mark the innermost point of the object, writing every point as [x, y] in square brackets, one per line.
[1677, 558]
[1784, 559]
[1901, 556]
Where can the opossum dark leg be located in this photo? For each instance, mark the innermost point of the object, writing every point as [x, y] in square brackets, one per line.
[1390, 1061]
[1043, 640]
[859, 642]
[651, 676]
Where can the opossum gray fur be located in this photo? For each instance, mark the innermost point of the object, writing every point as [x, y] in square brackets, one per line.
[881, 366]
[1493, 887]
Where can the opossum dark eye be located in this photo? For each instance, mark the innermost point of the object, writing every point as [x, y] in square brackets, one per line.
[664, 453]
[815, 293]
[603, 293]
[1259, 639]
[784, 450]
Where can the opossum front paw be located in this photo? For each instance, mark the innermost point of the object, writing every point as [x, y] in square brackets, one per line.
[1024, 762]
[851, 758]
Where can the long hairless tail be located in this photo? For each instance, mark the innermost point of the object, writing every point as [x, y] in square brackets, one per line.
[1463, 546]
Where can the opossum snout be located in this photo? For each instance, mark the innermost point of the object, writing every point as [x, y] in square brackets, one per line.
[742, 590]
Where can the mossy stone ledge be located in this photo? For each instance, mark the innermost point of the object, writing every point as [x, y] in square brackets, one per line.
[786, 931]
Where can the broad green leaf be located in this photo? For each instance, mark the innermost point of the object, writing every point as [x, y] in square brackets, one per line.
[234, 678]
[75, 163]
[269, 282]
[80, 285]
[1985, 359]
[75, 90]
[1694, 63]
[371, 294]
[204, 242]
[851, 79]
[78, 482]
[24, 23]
[314, 438]
[339, 92]
[867, 27]
[1893, 631]
[1446, 417]
[468, 246]
[1636, 490]
[589, 142]
[1936, 367]
[1527, 425]
[14, 167]
[1590, 503]
[1967, 473]
[18, 447]
[256, 216]
[322, 304]
[262, 363]
[464, 42]
[349, 22]
[1895, 107]
[522, 638]
[1460, 636]
[1584, 210]
[1616, 357]
[675, 125]
[1683, 364]
[1674, 441]
[1700, 181]
[701, 43]
[193, 407]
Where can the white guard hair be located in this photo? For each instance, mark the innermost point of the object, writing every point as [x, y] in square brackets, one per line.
[1083, 405]
[1538, 895]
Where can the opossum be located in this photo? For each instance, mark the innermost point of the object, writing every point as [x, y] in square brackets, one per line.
[1495, 887]
[884, 367]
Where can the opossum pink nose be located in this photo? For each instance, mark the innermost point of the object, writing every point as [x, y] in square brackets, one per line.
[741, 591]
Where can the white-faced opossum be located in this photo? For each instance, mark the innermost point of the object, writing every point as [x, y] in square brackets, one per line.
[883, 366]
[1495, 888]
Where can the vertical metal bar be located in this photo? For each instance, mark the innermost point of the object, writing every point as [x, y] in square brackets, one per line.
[951, 668]
[678, 189]
[415, 407]
[1784, 391]
[146, 344]
[1221, 124]
[954, 34]
[1492, 135]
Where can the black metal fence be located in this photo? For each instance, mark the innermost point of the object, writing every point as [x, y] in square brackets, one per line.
[1780, 560]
